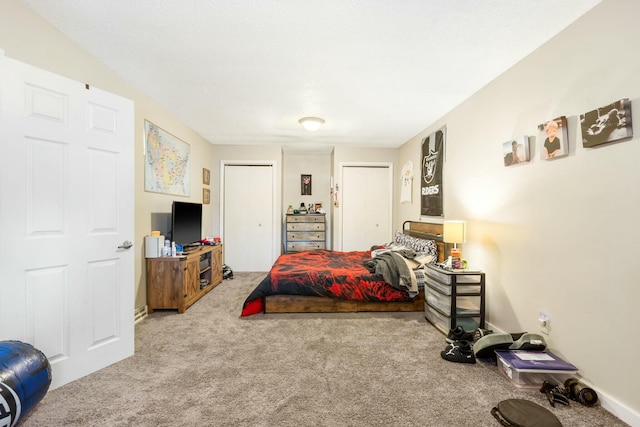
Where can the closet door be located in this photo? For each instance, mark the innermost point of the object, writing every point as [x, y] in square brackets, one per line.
[248, 217]
[366, 204]
[67, 191]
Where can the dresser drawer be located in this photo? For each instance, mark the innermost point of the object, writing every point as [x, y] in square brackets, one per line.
[465, 305]
[305, 226]
[304, 246]
[296, 236]
[305, 218]
[447, 277]
[446, 289]
[446, 323]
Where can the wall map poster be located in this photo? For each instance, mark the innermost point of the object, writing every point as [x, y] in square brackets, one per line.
[167, 162]
[431, 186]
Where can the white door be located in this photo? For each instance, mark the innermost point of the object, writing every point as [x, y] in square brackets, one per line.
[366, 206]
[248, 217]
[66, 191]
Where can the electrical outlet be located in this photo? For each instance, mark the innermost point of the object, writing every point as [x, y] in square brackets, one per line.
[544, 323]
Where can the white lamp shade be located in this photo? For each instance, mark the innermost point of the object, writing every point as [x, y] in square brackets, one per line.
[311, 123]
[454, 232]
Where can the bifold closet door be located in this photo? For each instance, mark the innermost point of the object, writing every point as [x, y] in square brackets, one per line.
[366, 206]
[248, 217]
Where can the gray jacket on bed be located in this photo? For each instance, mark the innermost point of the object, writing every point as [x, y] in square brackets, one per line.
[394, 270]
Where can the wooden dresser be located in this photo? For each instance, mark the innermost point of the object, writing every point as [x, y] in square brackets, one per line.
[178, 282]
[304, 232]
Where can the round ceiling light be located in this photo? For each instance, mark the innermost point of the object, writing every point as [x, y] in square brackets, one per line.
[311, 124]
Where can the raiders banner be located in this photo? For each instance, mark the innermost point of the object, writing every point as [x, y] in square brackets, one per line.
[431, 178]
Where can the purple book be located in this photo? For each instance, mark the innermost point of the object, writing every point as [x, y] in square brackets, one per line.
[523, 360]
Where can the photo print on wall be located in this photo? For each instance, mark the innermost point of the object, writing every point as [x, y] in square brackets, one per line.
[554, 138]
[305, 185]
[606, 124]
[515, 152]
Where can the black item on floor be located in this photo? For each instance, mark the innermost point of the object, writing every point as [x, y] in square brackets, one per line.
[580, 392]
[459, 334]
[524, 413]
[555, 393]
[226, 272]
[459, 352]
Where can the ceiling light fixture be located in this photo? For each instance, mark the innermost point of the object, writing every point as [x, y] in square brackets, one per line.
[311, 124]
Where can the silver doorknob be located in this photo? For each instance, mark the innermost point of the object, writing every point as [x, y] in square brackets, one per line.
[125, 245]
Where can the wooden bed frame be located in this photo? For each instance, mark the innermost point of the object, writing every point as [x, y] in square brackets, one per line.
[308, 304]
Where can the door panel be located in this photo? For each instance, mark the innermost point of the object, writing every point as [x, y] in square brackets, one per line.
[248, 217]
[366, 206]
[66, 185]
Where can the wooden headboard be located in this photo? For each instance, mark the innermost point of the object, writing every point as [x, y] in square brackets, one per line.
[426, 230]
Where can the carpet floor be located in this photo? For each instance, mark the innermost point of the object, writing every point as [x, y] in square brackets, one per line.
[209, 367]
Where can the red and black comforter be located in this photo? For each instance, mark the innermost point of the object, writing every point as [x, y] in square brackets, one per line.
[323, 273]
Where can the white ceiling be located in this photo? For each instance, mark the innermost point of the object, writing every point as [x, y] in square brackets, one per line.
[243, 72]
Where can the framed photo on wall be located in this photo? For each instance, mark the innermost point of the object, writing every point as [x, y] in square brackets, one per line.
[206, 176]
[305, 184]
[554, 138]
[516, 152]
[206, 196]
[606, 124]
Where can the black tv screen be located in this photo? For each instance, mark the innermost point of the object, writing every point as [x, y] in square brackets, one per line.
[186, 223]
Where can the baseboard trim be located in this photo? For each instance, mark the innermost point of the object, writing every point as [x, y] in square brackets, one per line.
[617, 408]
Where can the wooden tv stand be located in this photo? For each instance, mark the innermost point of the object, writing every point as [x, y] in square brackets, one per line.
[178, 282]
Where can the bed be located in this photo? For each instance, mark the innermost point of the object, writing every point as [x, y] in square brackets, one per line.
[322, 281]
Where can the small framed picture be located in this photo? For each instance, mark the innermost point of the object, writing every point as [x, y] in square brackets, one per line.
[554, 138]
[607, 124]
[206, 176]
[318, 207]
[305, 183]
[206, 196]
[516, 152]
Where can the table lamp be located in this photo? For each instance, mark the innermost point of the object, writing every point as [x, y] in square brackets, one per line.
[454, 232]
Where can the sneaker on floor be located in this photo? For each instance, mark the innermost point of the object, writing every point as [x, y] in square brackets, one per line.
[459, 334]
[459, 352]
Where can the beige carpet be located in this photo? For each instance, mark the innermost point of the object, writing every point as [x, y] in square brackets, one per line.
[209, 367]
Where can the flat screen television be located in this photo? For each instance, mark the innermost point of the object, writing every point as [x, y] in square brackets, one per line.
[186, 223]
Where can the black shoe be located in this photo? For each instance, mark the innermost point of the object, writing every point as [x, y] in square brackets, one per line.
[458, 351]
[459, 334]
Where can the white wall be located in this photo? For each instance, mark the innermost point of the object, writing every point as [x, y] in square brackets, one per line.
[556, 236]
[318, 165]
